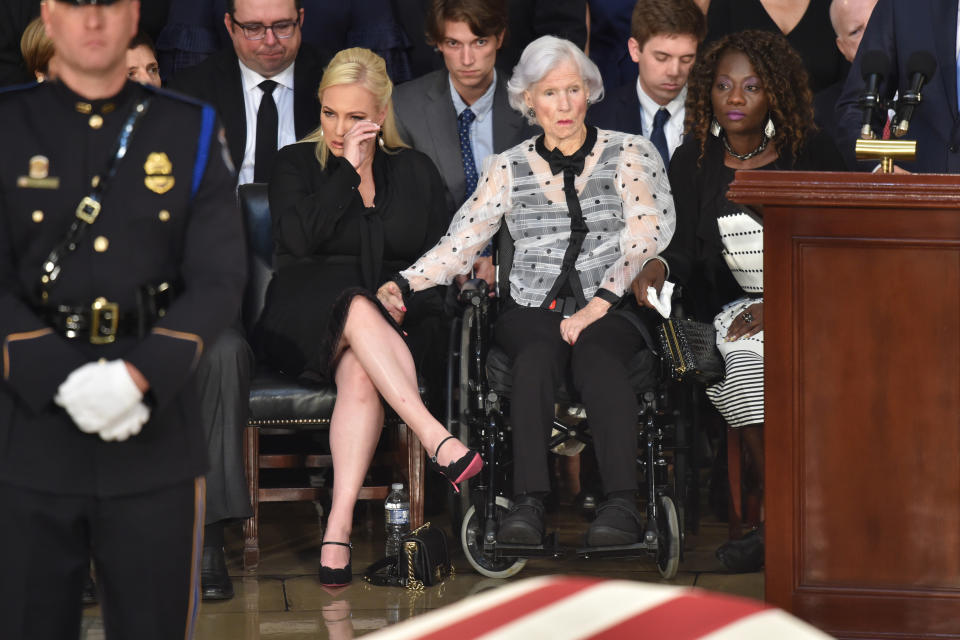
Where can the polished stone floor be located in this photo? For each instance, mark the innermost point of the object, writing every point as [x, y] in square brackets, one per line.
[284, 600]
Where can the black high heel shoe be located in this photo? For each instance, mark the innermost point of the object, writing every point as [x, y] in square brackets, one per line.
[337, 577]
[464, 468]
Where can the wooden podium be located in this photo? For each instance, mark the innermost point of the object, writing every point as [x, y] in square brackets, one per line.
[862, 326]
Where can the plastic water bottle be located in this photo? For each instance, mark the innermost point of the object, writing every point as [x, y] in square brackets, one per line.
[396, 511]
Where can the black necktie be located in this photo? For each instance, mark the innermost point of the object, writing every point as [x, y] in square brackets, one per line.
[267, 125]
[658, 137]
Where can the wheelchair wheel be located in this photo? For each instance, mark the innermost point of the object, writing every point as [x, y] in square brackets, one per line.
[471, 538]
[668, 542]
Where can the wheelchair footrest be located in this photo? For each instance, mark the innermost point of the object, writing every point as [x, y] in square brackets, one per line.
[549, 548]
[618, 551]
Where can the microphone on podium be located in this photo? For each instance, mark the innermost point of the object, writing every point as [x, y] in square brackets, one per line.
[920, 68]
[874, 66]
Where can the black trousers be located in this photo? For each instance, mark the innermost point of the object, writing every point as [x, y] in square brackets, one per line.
[145, 548]
[598, 362]
[223, 377]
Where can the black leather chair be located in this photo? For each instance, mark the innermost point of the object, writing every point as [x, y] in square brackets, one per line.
[281, 408]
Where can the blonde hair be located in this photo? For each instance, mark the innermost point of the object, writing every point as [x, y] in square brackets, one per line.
[36, 47]
[363, 67]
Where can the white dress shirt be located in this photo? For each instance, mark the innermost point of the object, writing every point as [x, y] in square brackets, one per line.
[674, 127]
[252, 94]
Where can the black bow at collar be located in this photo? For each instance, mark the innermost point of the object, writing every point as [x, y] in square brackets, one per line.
[558, 162]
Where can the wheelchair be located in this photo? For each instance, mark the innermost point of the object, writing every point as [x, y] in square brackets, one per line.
[478, 397]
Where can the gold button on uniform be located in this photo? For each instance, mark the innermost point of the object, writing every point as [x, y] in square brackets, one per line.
[95, 121]
[164, 215]
[100, 244]
[37, 216]
[94, 181]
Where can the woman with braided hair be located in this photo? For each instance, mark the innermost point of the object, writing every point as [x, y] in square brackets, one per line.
[748, 107]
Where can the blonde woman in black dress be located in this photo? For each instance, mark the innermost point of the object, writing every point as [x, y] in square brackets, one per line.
[351, 204]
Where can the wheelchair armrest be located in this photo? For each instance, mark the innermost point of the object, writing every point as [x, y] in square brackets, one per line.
[474, 292]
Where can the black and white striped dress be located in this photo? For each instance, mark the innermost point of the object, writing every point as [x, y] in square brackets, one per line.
[739, 396]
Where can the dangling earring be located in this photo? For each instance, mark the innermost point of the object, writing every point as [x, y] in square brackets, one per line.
[380, 138]
[769, 130]
[715, 129]
[531, 113]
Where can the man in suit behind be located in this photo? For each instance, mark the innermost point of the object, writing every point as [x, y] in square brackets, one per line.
[849, 19]
[664, 39]
[900, 28]
[464, 105]
[267, 57]
[264, 89]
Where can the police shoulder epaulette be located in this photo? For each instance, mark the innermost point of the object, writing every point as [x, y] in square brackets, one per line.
[180, 97]
[14, 88]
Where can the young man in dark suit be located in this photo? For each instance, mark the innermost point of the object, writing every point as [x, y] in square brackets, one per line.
[664, 38]
[432, 110]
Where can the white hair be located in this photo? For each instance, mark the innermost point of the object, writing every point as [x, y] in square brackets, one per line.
[542, 56]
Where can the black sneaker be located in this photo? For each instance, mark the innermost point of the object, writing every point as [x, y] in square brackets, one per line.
[618, 523]
[524, 523]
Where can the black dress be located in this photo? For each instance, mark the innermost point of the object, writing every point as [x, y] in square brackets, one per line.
[813, 37]
[700, 196]
[330, 247]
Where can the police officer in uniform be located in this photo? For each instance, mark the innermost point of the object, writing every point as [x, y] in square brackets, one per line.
[121, 256]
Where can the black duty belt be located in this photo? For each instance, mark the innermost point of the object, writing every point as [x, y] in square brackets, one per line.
[103, 321]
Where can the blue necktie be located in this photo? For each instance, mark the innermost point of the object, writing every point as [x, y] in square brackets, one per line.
[658, 137]
[466, 151]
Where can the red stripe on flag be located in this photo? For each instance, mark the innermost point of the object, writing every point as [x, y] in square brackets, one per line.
[490, 619]
[683, 618]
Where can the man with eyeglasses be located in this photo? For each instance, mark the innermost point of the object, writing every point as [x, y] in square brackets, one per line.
[266, 84]
[264, 89]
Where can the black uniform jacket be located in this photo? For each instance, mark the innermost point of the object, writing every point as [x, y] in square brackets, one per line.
[169, 215]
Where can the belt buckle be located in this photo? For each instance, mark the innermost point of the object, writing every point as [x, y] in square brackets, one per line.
[104, 319]
[88, 210]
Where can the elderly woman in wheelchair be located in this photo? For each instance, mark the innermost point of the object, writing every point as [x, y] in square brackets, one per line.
[585, 209]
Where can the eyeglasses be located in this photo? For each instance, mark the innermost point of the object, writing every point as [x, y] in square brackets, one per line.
[257, 31]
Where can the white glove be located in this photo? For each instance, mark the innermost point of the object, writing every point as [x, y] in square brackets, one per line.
[128, 424]
[98, 394]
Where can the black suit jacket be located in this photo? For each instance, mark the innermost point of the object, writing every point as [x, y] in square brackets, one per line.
[899, 28]
[217, 81]
[618, 111]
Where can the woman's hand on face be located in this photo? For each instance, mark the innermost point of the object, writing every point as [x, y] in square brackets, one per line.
[391, 298]
[652, 275]
[747, 323]
[359, 140]
[571, 327]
